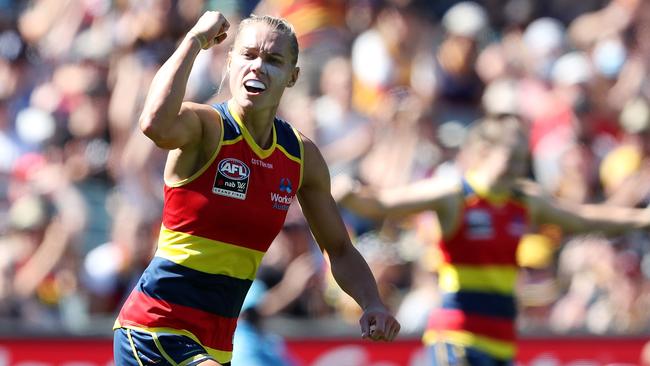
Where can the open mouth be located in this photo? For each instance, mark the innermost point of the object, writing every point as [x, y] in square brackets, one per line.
[254, 86]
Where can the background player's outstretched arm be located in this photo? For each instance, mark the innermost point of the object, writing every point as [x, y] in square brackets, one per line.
[349, 268]
[439, 195]
[580, 218]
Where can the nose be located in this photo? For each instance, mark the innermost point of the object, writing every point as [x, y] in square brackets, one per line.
[257, 65]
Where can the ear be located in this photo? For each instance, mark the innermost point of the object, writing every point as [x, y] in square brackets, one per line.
[294, 77]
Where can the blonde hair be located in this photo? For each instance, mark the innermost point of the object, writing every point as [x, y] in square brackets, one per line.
[279, 25]
[487, 133]
[494, 131]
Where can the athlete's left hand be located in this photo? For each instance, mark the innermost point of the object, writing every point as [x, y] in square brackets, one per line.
[378, 324]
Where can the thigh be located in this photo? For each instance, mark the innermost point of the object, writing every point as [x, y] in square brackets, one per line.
[140, 348]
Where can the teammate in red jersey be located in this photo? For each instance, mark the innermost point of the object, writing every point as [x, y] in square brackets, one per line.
[483, 215]
[232, 171]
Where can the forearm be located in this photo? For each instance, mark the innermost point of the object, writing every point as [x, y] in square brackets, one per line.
[610, 220]
[167, 89]
[364, 203]
[389, 202]
[353, 275]
[349, 268]
[631, 192]
[351, 146]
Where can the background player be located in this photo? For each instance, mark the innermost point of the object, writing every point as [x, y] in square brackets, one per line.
[483, 216]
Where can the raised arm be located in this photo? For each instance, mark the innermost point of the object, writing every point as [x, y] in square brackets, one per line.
[581, 218]
[349, 268]
[165, 119]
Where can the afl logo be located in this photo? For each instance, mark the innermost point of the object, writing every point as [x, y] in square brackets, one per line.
[234, 169]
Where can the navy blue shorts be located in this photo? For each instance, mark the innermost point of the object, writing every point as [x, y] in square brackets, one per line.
[448, 354]
[139, 348]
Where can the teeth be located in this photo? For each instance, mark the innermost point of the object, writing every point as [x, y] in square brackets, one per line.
[255, 84]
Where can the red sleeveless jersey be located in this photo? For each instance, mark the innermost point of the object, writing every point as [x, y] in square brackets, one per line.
[478, 275]
[217, 225]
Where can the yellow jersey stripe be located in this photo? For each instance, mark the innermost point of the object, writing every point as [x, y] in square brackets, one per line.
[492, 279]
[208, 256]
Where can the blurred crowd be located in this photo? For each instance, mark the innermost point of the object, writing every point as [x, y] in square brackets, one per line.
[387, 90]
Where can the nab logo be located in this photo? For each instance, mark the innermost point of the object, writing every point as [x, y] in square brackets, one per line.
[234, 169]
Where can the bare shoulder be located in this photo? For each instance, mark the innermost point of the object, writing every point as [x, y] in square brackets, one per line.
[538, 201]
[209, 121]
[311, 150]
[185, 160]
[205, 112]
[313, 159]
[315, 171]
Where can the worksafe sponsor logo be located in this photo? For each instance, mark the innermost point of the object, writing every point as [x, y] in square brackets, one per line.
[280, 201]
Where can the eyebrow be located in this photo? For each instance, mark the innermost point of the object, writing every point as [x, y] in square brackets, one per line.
[272, 54]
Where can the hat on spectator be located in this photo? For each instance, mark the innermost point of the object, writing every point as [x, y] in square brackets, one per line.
[28, 212]
[11, 45]
[466, 19]
[571, 69]
[451, 134]
[500, 97]
[26, 165]
[544, 36]
[34, 126]
[608, 57]
[635, 116]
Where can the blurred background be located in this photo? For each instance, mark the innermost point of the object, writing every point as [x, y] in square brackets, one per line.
[387, 90]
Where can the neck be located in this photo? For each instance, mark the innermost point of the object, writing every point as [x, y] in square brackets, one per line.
[489, 182]
[258, 122]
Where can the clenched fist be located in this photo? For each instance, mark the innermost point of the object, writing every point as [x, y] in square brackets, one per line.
[210, 29]
[378, 324]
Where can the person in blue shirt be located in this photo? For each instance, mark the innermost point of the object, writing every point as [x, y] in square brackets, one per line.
[254, 345]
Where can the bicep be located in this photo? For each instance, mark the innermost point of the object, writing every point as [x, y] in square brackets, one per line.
[318, 206]
[186, 129]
